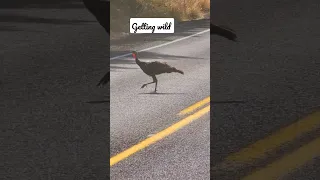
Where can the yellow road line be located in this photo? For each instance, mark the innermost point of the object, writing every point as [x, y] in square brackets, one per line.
[194, 106]
[261, 148]
[162, 134]
[288, 163]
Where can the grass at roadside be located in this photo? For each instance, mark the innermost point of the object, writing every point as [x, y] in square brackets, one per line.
[181, 10]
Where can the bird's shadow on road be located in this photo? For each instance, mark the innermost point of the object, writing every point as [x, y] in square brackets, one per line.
[157, 93]
[227, 102]
[98, 102]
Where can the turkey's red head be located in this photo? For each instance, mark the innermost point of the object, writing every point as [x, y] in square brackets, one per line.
[134, 54]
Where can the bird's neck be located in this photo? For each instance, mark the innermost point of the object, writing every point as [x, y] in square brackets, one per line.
[138, 61]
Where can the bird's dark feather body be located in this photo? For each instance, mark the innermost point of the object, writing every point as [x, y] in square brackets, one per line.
[156, 68]
[223, 31]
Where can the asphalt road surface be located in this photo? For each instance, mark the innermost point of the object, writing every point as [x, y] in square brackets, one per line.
[56, 118]
[263, 84]
[53, 57]
[137, 114]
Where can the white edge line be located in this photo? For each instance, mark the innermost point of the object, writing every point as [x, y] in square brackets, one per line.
[147, 49]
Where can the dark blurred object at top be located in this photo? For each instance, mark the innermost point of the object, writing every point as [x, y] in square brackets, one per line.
[223, 31]
[101, 10]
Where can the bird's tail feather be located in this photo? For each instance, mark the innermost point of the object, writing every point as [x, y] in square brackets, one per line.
[177, 70]
[105, 79]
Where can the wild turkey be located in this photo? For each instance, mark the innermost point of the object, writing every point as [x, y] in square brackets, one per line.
[223, 31]
[154, 68]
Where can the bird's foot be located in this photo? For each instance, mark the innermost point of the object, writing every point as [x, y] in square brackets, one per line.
[144, 86]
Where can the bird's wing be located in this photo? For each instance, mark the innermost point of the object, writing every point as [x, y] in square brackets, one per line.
[157, 64]
[157, 67]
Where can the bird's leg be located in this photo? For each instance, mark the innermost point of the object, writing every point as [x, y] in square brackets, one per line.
[144, 85]
[156, 81]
